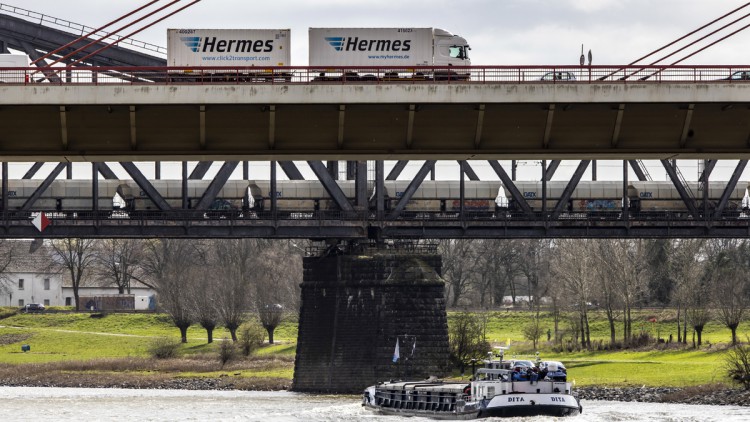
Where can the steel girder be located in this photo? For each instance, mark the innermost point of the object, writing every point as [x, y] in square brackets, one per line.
[20, 34]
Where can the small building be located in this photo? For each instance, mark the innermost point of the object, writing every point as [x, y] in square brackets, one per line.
[108, 299]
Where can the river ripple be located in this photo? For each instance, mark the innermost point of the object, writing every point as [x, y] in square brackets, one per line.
[76, 404]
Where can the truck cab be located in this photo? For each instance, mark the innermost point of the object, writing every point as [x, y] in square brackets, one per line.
[450, 50]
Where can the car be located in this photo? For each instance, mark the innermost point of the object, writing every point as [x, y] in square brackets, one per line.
[558, 76]
[741, 75]
[555, 371]
[33, 307]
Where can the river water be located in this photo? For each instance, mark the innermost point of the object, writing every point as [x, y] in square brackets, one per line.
[88, 404]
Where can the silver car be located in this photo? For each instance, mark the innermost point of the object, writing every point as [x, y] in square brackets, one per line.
[558, 76]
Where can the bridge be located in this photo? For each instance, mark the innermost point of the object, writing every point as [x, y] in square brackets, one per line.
[232, 114]
[122, 106]
[693, 112]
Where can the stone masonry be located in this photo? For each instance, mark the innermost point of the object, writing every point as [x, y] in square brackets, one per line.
[355, 306]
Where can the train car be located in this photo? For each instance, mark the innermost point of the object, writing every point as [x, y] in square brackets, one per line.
[63, 198]
[432, 200]
[655, 198]
[645, 199]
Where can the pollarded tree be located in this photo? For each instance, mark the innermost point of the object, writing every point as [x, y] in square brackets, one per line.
[237, 264]
[686, 267]
[170, 263]
[730, 284]
[274, 284]
[202, 298]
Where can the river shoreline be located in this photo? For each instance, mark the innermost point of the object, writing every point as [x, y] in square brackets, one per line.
[706, 395]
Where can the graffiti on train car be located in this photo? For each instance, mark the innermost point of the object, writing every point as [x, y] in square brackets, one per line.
[472, 205]
[599, 204]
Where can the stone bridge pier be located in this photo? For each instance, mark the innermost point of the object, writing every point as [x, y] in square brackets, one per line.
[356, 304]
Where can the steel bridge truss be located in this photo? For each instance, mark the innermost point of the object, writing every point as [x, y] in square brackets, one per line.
[360, 217]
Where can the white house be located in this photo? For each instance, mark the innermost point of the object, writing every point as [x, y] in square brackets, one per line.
[29, 278]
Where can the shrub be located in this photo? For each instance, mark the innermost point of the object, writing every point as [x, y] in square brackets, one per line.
[163, 348]
[466, 339]
[252, 336]
[226, 351]
[738, 365]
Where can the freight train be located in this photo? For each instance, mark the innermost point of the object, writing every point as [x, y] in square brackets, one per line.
[432, 200]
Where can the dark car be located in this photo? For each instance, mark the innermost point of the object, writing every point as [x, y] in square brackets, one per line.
[33, 307]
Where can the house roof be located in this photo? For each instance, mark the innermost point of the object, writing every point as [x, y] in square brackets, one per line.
[25, 261]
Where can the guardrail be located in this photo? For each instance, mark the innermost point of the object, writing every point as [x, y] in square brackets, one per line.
[220, 217]
[77, 28]
[378, 75]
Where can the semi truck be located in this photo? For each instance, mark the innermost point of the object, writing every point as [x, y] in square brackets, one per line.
[392, 52]
[377, 53]
[216, 48]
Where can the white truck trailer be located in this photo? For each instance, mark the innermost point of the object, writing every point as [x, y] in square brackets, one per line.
[216, 48]
[392, 53]
[13, 60]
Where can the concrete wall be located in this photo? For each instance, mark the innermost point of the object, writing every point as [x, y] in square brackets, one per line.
[353, 309]
[33, 290]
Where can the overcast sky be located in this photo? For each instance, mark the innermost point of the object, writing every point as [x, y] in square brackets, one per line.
[500, 32]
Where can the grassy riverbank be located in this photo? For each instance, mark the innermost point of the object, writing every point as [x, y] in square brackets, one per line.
[75, 349]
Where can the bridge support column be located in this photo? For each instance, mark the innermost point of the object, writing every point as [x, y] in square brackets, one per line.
[355, 306]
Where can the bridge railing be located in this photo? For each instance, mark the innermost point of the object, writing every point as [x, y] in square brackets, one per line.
[225, 217]
[378, 75]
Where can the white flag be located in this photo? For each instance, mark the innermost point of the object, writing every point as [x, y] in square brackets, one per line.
[396, 354]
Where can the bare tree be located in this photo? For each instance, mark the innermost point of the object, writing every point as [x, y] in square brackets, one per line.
[202, 297]
[487, 270]
[686, 268]
[730, 286]
[625, 262]
[607, 294]
[8, 252]
[574, 265]
[236, 262]
[77, 256]
[459, 259]
[509, 263]
[533, 264]
[274, 283]
[118, 261]
[170, 264]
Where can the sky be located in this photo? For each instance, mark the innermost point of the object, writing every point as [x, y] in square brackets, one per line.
[500, 32]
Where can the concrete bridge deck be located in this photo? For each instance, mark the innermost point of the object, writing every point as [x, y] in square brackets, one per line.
[303, 119]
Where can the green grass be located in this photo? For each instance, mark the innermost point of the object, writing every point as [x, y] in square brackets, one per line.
[673, 366]
[52, 346]
[77, 337]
